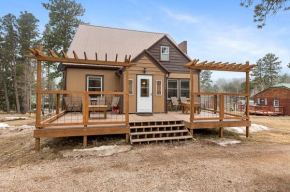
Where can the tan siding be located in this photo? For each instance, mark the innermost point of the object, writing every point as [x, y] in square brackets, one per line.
[76, 79]
[158, 101]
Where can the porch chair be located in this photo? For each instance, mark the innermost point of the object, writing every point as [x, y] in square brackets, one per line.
[73, 106]
[114, 104]
[174, 102]
[183, 100]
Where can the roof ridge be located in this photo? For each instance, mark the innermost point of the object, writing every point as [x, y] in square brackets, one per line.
[123, 29]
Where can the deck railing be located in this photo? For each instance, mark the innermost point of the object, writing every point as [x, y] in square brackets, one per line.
[70, 108]
[220, 106]
[267, 110]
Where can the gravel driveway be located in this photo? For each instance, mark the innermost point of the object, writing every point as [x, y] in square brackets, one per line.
[191, 166]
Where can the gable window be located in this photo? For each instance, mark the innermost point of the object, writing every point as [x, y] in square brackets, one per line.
[184, 88]
[164, 53]
[94, 83]
[172, 88]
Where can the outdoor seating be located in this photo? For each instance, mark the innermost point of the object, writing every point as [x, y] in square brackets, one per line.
[72, 106]
[174, 102]
[114, 105]
[98, 105]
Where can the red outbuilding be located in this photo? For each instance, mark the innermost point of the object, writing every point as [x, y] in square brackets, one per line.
[273, 101]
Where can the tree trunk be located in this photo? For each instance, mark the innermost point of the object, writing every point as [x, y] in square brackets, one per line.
[6, 94]
[16, 89]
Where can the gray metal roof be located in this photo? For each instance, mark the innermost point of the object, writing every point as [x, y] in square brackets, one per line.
[101, 40]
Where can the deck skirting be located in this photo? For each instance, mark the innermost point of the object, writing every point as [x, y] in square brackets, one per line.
[217, 124]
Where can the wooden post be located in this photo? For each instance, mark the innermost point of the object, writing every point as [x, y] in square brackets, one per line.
[38, 103]
[215, 104]
[247, 131]
[127, 102]
[85, 116]
[57, 103]
[248, 99]
[85, 141]
[192, 96]
[221, 132]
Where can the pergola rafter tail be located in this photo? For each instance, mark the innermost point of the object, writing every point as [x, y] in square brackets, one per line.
[40, 56]
[219, 66]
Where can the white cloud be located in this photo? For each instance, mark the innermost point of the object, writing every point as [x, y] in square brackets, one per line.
[180, 16]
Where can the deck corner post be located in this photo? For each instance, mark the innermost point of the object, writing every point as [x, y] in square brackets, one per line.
[247, 131]
[85, 141]
[221, 132]
[37, 144]
[127, 138]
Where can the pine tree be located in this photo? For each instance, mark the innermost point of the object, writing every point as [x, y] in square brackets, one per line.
[205, 80]
[272, 69]
[28, 34]
[266, 73]
[9, 48]
[63, 22]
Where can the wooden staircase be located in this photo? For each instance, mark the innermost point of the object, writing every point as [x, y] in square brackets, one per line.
[157, 131]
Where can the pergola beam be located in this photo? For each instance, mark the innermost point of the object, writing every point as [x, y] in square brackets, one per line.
[40, 56]
[219, 66]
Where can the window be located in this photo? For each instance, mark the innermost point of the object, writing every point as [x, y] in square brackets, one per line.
[158, 88]
[131, 87]
[276, 102]
[94, 83]
[164, 53]
[172, 88]
[262, 101]
[184, 88]
[144, 88]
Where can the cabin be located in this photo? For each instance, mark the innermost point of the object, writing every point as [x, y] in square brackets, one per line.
[274, 100]
[158, 75]
[139, 84]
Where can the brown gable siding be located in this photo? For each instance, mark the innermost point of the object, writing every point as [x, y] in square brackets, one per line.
[176, 58]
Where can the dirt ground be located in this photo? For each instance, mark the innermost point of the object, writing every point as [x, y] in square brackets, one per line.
[258, 163]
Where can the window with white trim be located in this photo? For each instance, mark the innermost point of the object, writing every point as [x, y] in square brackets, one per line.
[276, 102]
[158, 87]
[94, 83]
[164, 53]
[172, 88]
[184, 88]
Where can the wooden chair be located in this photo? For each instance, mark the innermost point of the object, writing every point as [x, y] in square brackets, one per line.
[174, 102]
[115, 103]
[183, 100]
[72, 106]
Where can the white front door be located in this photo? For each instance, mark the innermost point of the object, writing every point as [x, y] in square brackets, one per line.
[144, 94]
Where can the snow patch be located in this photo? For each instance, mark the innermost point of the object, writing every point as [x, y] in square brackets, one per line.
[224, 142]
[253, 128]
[15, 118]
[3, 125]
[97, 151]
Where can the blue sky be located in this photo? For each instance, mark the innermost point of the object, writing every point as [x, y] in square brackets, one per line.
[216, 30]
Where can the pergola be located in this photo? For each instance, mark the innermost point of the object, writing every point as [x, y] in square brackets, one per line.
[219, 66]
[40, 56]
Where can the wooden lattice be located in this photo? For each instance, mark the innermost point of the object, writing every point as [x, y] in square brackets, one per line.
[219, 66]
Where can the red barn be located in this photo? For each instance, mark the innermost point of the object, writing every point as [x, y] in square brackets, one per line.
[273, 101]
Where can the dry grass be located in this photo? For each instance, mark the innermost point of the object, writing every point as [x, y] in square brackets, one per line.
[30, 121]
[280, 129]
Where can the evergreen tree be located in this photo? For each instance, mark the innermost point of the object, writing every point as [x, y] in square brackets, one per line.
[63, 21]
[28, 37]
[9, 48]
[284, 78]
[272, 68]
[266, 73]
[205, 81]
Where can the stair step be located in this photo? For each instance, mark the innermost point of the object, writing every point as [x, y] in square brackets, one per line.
[161, 139]
[156, 126]
[158, 132]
